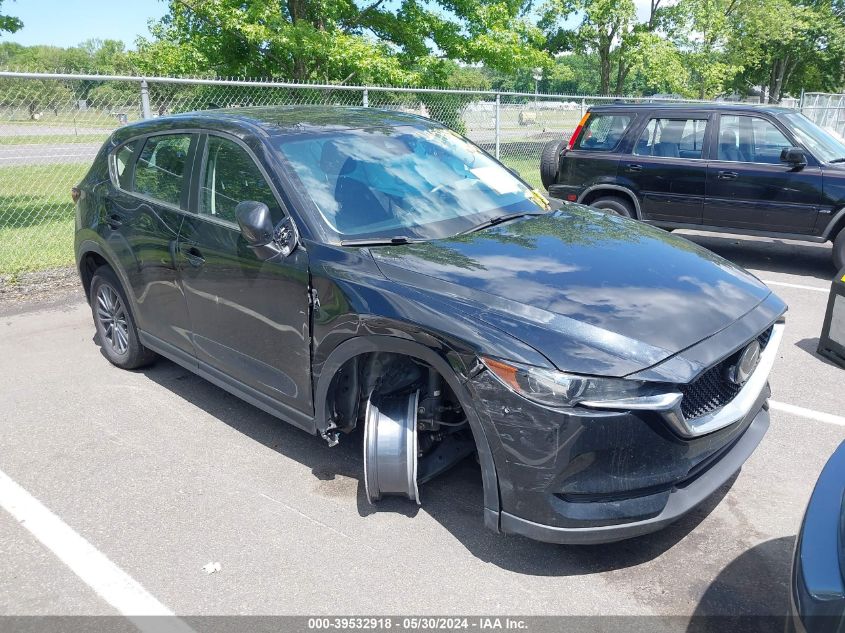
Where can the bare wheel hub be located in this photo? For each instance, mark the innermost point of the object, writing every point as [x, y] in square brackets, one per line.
[390, 446]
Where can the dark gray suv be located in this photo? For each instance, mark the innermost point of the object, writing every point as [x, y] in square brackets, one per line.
[350, 269]
[717, 167]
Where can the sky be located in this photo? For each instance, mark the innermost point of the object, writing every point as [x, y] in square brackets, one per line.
[69, 22]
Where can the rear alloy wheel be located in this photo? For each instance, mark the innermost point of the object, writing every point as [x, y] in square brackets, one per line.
[390, 446]
[116, 330]
[839, 251]
[615, 205]
[111, 317]
[550, 163]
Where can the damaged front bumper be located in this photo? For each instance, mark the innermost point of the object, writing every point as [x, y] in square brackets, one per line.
[584, 475]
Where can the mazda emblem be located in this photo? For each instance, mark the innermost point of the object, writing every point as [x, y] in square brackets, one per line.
[741, 371]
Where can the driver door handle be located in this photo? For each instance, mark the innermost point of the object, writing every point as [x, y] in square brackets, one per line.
[634, 167]
[727, 175]
[192, 254]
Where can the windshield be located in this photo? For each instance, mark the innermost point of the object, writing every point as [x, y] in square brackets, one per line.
[402, 182]
[824, 145]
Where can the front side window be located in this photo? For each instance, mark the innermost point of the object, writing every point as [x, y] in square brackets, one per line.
[402, 181]
[602, 132]
[750, 139]
[160, 172]
[230, 177]
[825, 145]
[672, 138]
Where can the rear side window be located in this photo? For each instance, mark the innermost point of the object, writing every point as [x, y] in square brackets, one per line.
[124, 160]
[672, 138]
[602, 132]
[160, 171]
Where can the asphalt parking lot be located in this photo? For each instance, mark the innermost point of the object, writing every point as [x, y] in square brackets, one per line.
[161, 473]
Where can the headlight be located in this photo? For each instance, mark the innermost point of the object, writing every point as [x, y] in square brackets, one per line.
[558, 389]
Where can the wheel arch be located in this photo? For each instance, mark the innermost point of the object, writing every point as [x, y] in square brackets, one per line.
[594, 192]
[363, 345]
[90, 257]
[836, 224]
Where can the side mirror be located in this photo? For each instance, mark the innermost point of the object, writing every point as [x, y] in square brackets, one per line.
[793, 156]
[262, 237]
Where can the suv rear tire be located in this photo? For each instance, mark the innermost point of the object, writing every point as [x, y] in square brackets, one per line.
[839, 250]
[550, 163]
[614, 204]
[116, 331]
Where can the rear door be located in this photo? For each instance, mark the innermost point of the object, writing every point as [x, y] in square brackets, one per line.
[667, 168]
[747, 185]
[150, 187]
[249, 317]
[596, 152]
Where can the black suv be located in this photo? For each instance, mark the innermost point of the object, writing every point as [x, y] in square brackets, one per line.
[354, 268]
[732, 168]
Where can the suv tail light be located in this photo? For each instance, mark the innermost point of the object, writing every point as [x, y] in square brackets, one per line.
[577, 130]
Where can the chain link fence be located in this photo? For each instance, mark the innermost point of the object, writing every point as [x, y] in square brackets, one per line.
[827, 110]
[52, 125]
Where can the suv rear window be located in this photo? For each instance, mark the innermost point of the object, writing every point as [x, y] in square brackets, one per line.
[672, 138]
[602, 132]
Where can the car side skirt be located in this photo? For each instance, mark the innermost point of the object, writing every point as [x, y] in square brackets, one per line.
[731, 230]
[233, 386]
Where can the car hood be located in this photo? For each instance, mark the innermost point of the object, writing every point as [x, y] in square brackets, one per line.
[594, 293]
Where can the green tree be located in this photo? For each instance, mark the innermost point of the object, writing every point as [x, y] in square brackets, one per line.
[701, 29]
[611, 31]
[783, 39]
[9, 23]
[341, 40]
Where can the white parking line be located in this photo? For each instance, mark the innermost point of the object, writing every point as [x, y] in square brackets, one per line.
[801, 286]
[110, 582]
[819, 416]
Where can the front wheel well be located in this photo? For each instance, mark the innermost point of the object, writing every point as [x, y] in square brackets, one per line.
[386, 373]
[837, 228]
[414, 427]
[446, 368]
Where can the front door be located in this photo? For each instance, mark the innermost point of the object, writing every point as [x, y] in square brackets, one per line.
[249, 317]
[667, 169]
[749, 187]
[143, 215]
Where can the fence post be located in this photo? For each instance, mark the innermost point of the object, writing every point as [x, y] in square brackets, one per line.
[145, 100]
[366, 98]
[583, 106]
[498, 116]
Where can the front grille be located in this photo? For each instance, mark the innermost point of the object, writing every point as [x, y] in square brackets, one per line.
[712, 389]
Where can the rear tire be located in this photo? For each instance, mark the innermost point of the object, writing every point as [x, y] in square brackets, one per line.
[615, 205]
[116, 331]
[839, 251]
[550, 163]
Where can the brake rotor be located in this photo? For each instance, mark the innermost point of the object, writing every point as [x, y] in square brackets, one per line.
[390, 446]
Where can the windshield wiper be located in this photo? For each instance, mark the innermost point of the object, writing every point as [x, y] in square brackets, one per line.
[378, 241]
[837, 160]
[502, 218]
